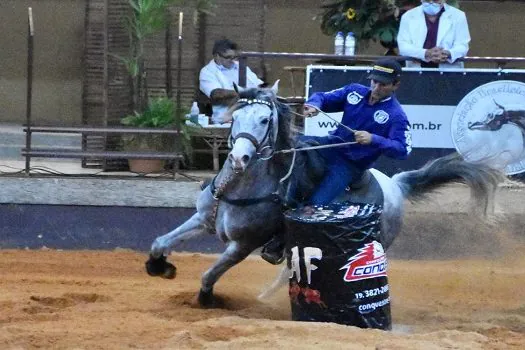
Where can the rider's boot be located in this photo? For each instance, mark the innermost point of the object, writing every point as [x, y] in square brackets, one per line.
[273, 250]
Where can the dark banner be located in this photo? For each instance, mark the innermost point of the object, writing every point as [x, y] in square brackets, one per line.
[449, 111]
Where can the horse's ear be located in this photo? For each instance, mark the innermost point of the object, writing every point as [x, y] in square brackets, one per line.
[238, 89]
[275, 87]
[500, 106]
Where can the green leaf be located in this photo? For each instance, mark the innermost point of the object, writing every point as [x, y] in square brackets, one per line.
[386, 36]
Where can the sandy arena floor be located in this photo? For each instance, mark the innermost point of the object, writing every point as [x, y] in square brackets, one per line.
[104, 300]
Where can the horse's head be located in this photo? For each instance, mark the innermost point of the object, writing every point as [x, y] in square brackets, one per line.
[493, 121]
[255, 126]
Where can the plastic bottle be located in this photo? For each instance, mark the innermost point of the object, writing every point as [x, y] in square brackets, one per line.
[339, 44]
[194, 113]
[350, 44]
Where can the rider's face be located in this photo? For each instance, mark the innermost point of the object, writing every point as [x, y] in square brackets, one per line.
[382, 90]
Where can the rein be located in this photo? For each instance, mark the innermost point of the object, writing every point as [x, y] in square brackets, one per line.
[290, 150]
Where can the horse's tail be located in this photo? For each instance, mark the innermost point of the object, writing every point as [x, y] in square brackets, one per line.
[482, 179]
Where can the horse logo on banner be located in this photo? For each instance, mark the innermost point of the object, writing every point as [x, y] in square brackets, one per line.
[488, 126]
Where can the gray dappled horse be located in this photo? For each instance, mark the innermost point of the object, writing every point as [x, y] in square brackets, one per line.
[243, 203]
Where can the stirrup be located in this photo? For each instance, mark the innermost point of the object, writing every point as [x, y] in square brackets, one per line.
[272, 258]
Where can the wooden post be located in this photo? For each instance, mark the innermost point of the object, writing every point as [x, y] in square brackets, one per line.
[179, 86]
[167, 41]
[179, 67]
[29, 87]
[242, 71]
[105, 78]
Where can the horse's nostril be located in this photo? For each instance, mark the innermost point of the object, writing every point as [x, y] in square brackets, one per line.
[245, 159]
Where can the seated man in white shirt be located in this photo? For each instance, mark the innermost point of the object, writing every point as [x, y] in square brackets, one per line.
[217, 77]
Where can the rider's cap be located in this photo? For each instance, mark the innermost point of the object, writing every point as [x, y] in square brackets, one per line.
[385, 70]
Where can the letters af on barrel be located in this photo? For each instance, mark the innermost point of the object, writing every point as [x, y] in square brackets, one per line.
[338, 267]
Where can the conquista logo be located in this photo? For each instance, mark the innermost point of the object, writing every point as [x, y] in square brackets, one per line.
[488, 126]
[369, 262]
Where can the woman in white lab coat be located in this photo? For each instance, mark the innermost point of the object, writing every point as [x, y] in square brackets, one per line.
[451, 42]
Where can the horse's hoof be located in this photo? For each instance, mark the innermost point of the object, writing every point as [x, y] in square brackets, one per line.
[170, 271]
[160, 267]
[206, 299]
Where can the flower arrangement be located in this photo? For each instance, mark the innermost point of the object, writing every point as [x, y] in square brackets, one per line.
[376, 20]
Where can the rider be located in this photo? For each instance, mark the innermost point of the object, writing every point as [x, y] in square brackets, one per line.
[373, 118]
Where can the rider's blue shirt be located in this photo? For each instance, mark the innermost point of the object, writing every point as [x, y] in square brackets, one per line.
[385, 120]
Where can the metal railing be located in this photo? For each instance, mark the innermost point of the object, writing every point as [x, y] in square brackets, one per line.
[54, 152]
[500, 61]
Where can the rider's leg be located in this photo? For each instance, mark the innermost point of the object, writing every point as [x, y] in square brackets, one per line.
[273, 250]
[340, 173]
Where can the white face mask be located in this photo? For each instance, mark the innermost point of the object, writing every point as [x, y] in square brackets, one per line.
[431, 9]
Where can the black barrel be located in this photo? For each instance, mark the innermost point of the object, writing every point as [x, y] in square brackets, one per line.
[338, 265]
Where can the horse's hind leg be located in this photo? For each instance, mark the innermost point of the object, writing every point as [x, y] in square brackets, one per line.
[162, 245]
[233, 255]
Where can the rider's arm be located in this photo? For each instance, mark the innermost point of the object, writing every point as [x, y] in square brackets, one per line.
[331, 101]
[398, 144]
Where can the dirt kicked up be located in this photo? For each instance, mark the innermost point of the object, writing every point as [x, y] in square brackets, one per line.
[104, 300]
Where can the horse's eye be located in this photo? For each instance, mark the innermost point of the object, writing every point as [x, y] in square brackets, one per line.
[265, 121]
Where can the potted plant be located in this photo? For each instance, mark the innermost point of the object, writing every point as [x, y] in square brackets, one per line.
[148, 17]
[160, 112]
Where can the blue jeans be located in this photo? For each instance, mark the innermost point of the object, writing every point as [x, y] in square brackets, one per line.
[340, 172]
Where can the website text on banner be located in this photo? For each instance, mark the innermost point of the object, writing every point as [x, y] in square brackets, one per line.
[442, 107]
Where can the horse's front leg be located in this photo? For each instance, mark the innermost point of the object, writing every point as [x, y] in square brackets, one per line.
[192, 227]
[161, 247]
[233, 255]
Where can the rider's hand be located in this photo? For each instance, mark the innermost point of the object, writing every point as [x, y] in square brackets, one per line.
[310, 111]
[363, 137]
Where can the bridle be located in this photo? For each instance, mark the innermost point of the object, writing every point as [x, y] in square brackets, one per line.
[267, 142]
[261, 146]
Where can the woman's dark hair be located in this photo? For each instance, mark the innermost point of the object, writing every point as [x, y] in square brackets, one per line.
[223, 45]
